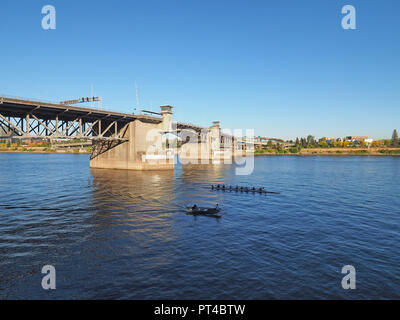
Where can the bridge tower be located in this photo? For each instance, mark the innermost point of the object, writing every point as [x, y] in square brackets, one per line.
[143, 150]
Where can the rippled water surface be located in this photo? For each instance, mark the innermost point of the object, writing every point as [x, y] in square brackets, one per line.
[124, 234]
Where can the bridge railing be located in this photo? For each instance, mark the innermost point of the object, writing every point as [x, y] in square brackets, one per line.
[4, 96]
[189, 125]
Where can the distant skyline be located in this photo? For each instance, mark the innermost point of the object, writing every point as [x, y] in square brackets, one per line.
[286, 69]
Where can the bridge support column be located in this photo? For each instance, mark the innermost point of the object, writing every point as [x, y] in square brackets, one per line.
[142, 149]
[221, 147]
[213, 148]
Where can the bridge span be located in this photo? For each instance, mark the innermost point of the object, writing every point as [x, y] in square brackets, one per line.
[26, 119]
[119, 140]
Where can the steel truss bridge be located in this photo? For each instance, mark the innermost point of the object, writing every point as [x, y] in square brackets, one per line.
[24, 118]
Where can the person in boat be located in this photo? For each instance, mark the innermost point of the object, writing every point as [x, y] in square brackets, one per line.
[195, 207]
[217, 207]
[218, 186]
[236, 188]
[223, 187]
[260, 190]
[253, 189]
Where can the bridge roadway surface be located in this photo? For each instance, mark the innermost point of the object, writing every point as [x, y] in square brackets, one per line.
[19, 108]
[15, 107]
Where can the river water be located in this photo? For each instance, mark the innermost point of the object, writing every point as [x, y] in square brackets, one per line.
[124, 234]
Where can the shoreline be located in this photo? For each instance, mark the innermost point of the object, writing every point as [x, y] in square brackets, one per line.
[326, 154]
[265, 154]
[14, 148]
[339, 152]
[43, 152]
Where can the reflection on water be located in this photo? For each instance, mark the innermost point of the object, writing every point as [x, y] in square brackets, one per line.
[142, 201]
[124, 234]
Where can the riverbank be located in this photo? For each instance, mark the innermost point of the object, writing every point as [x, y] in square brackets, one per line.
[332, 152]
[44, 150]
[269, 152]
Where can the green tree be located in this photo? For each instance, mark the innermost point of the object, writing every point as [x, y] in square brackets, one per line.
[294, 149]
[395, 138]
[323, 144]
[311, 141]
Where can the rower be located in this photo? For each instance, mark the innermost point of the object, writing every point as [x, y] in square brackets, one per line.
[194, 208]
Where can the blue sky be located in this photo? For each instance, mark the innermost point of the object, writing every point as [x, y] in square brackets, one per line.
[285, 68]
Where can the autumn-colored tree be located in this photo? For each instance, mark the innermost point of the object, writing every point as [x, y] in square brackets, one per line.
[348, 144]
[333, 143]
[377, 143]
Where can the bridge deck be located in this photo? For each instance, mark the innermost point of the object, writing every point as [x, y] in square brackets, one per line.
[26, 118]
[19, 108]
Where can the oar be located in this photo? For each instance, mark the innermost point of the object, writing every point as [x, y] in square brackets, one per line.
[270, 192]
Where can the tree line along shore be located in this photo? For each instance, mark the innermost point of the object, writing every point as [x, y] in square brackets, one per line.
[39, 147]
[301, 146]
[331, 152]
[325, 146]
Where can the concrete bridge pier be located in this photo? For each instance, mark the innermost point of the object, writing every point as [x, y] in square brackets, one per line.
[221, 146]
[212, 146]
[141, 146]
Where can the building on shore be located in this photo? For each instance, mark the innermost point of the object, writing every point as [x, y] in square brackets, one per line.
[359, 139]
[356, 138]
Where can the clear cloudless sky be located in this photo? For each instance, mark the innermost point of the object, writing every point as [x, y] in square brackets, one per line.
[285, 68]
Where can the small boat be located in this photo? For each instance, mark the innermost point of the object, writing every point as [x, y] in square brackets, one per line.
[201, 211]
